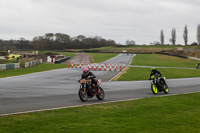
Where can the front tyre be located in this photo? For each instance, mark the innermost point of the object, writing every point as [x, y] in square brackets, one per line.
[101, 94]
[165, 89]
[154, 88]
[82, 95]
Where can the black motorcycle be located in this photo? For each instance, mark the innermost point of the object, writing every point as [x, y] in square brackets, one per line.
[158, 84]
[88, 90]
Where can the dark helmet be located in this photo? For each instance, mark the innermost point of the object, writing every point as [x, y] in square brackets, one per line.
[86, 71]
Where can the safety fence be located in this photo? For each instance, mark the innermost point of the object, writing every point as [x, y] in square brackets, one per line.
[98, 66]
[17, 65]
[9, 66]
[33, 63]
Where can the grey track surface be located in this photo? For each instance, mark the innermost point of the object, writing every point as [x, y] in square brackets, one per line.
[121, 59]
[58, 88]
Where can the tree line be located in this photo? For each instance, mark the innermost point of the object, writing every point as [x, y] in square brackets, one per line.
[58, 41]
[185, 36]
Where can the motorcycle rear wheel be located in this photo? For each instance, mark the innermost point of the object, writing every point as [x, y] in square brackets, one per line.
[82, 95]
[154, 89]
[101, 95]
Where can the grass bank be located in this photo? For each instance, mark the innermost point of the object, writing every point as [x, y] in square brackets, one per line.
[158, 60]
[138, 73]
[162, 61]
[37, 68]
[3, 61]
[153, 115]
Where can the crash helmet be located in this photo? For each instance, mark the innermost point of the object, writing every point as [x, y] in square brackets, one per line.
[153, 69]
[86, 71]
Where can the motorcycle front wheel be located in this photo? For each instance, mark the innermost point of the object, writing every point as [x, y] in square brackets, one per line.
[165, 89]
[154, 89]
[101, 94]
[82, 95]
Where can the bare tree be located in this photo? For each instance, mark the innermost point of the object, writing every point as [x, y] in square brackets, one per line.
[173, 39]
[185, 35]
[198, 34]
[39, 43]
[162, 36]
[130, 42]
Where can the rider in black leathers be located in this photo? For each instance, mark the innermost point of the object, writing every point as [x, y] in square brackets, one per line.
[156, 72]
[89, 75]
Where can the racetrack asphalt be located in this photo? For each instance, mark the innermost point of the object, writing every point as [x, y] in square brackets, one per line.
[59, 88]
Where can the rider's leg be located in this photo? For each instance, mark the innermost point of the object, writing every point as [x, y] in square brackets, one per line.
[95, 82]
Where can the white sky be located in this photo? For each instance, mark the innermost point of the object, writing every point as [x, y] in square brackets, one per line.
[139, 20]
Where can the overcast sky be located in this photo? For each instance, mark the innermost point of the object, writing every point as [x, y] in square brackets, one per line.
[119, 20]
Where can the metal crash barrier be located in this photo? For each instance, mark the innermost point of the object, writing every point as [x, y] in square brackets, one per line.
[17, 65]
[33, 63]
[9, 66]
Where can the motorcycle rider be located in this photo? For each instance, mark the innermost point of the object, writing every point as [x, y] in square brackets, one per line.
[156, 72]
[89, 75]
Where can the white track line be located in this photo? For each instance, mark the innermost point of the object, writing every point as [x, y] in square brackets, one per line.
[91, 104]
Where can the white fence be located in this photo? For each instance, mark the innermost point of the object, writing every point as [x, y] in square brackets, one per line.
[17, 65]
[33, 63]
[9, 66]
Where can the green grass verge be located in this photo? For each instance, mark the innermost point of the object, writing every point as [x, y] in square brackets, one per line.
[100, 57]
[149, 115]
[139, 46]
[3, 61]
[37, 68]
[162, 61]
[136, 73]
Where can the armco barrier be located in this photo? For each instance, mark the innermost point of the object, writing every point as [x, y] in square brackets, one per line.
[2, 66]
[62, 59]
[32, 63]
[9, 66]
[17, 65]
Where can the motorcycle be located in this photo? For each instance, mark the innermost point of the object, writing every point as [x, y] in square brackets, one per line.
[88, 90]
[158, 84]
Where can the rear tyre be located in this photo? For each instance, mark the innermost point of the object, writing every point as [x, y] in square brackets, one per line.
[154, 89]
[82, 95]
[101, 94]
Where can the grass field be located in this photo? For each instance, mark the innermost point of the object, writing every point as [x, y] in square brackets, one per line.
[2, 61]
[149, 115]
[100, 57]
[138, 73]
[162, 61]
[138, 48]
[157, 60]
[37, 68]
